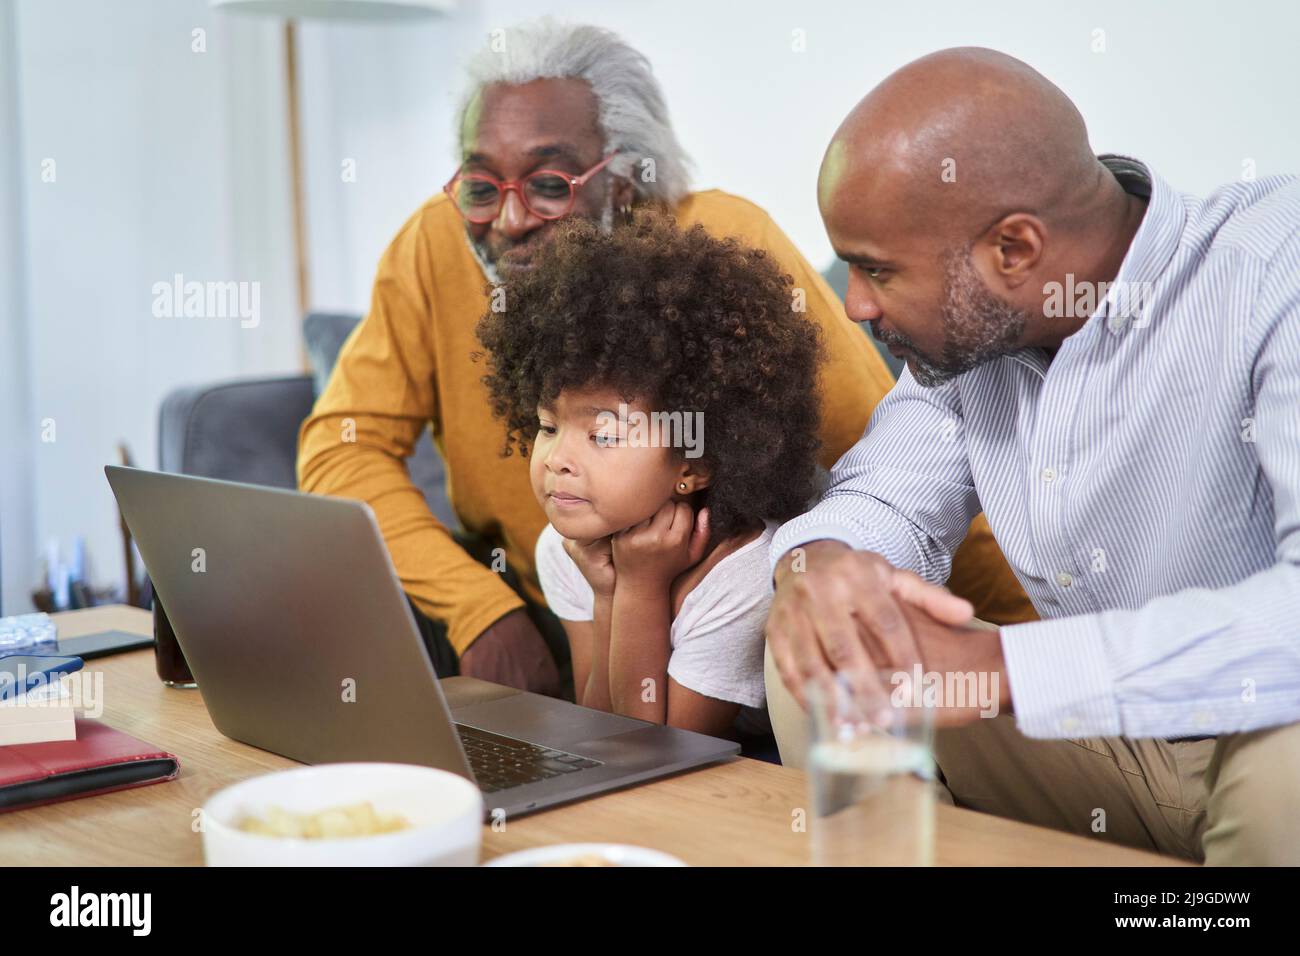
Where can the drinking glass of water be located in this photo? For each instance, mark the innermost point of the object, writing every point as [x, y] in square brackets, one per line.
[871, 772]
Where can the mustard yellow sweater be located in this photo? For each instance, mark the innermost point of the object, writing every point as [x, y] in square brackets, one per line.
[408, 364]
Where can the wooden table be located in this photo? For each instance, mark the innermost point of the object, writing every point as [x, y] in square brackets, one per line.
[738, 812]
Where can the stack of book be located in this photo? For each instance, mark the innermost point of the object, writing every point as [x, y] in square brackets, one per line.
[36, 703]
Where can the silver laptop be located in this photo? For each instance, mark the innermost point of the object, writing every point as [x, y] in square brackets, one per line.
[298, 633]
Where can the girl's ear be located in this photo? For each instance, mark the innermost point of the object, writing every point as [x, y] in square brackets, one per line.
[691, 477]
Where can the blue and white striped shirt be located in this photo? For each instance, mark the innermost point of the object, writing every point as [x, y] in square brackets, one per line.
[1144, 484]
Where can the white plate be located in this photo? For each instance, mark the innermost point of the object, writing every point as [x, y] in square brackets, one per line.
[616, 853]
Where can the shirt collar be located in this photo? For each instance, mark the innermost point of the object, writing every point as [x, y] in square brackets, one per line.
[1148, 254]
[1152, 247]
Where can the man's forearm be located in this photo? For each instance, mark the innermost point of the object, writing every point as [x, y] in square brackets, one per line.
[446, 583]
[904, 490]
[865, 525]
[1194, 663]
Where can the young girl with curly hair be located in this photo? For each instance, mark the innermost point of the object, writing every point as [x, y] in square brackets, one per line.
[663, 385]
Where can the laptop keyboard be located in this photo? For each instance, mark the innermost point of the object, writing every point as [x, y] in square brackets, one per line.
[502, 762]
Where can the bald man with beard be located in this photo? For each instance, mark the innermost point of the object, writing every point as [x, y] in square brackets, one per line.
[1111, 370]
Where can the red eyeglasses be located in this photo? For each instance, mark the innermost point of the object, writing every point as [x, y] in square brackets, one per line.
[546, 193]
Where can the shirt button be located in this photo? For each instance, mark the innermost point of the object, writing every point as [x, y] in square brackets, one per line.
[1069, 723]
[1064, 579]
[1203, 718]
[1048, 474]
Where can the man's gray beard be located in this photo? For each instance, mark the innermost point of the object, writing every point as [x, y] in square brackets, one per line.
[490, 269]
[977, 326]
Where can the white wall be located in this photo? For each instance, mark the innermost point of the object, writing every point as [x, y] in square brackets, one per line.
[166, 161]
[17, 529]
[1193, 88]
[379, 95]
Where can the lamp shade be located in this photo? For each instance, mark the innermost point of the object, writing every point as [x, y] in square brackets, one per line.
[340, 9]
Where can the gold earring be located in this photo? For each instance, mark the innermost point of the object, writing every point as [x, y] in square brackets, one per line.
[681, 486]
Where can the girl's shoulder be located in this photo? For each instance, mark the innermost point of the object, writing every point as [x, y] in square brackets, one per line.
[743, 573]
[748, 552]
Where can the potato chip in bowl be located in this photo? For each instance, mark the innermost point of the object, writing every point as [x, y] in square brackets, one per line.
[345, 814]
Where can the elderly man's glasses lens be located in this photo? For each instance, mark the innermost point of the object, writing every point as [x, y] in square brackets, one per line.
[546, 193]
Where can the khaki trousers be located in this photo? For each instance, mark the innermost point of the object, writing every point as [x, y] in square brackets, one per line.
[1231, 800]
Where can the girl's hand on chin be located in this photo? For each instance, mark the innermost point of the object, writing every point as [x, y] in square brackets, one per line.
[595, 559]
[658, 549]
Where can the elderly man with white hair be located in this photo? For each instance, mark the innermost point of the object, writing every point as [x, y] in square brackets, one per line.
[559, 120]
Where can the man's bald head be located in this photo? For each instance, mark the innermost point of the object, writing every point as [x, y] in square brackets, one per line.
[953, 190]
[964, 135]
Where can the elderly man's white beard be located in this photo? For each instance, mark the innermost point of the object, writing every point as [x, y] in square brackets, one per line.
[490, 269]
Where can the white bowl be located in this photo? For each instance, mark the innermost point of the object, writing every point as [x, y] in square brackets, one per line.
[617, 853]
[445, 812]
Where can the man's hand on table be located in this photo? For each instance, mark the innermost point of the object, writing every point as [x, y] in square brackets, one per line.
[841, 610]
[512, 652]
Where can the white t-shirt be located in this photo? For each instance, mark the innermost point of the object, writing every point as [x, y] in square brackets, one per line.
[717, 638]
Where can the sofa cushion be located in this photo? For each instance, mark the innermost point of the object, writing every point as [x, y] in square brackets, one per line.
[324, 334]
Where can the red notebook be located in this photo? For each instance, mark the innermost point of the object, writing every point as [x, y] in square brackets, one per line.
[100, 760]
